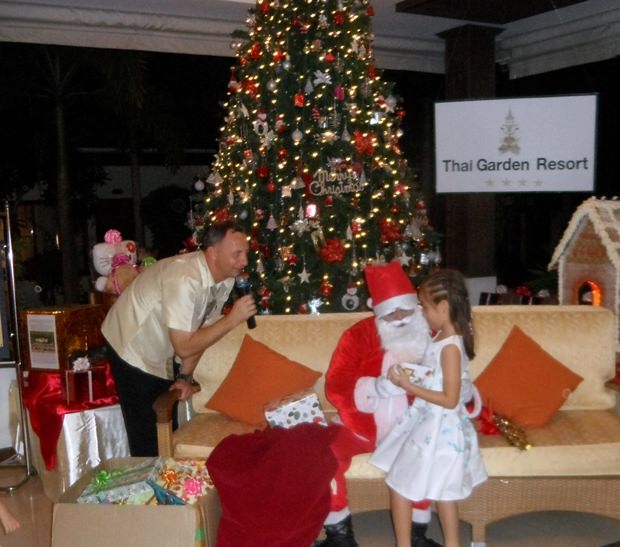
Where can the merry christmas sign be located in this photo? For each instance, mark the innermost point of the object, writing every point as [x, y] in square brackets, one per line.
[538, 144]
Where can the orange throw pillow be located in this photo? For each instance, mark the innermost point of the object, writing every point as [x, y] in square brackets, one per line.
[525, 384]
[258, 376]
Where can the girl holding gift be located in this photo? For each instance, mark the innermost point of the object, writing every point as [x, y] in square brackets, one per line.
[432, 452]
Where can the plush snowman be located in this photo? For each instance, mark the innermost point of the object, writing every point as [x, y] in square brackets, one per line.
[115, 260]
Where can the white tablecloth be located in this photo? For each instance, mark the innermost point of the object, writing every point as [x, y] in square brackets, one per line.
[85, 440]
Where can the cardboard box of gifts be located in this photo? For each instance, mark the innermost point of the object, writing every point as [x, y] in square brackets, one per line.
[298, 408]
[127, 485]
[104, 524]
[85, 385]
[52, 336]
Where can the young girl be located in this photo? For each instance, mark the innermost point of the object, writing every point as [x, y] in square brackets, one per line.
[432, 452]
[9, 522]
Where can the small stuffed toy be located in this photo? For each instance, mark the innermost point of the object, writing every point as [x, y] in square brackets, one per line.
[115, 261]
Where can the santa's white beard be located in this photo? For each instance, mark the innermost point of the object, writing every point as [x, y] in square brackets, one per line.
[406, 339]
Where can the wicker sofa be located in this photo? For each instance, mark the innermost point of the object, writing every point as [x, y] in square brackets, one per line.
[574, 464]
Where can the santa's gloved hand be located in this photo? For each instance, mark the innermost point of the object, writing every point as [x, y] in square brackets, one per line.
[385, 388]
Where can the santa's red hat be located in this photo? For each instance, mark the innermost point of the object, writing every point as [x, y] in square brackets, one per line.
[390, 289]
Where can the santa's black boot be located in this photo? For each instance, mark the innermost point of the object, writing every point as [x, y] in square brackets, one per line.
[418, 536]
[338, 535]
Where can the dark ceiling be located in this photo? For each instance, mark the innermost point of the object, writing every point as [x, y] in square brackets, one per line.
[483, 11]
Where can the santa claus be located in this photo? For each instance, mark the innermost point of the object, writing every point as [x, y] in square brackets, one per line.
[368, 403]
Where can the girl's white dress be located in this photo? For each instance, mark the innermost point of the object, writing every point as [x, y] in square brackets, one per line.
[432, 452]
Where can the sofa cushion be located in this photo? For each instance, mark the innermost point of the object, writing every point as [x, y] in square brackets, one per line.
[524, 383]
[258, 376]
[574, 443]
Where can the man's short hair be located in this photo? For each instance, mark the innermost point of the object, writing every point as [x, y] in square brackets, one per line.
[216, 232]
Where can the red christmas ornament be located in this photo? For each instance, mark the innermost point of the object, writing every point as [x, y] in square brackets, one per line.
[338, 18]
[302, 309]
[364, 144]
[339, 93]
[333, 251]
[221, 215]
[370, 11]
[356, 227]
[265, 297]
[265, 251]
[255, 51]
[280, 125]
[282, 154]
[264, 6]
[262, 171]
[271, 187]
[329, 200]
[190, 243]
[278, 56]
[292, 259]
[250, 87]
[326, 287]
[329, 57]
[389, 231]
[307, 179]
[299, 100]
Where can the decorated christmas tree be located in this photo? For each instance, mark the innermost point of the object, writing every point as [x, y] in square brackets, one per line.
[309, 160]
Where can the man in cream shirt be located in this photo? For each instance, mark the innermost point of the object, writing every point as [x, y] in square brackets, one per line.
[173, 308]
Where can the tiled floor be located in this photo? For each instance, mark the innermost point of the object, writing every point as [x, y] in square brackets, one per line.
[34, 511]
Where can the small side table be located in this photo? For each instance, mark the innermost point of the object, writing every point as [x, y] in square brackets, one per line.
[87, 438]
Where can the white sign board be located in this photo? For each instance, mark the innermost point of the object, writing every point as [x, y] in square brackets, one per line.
[540, 144]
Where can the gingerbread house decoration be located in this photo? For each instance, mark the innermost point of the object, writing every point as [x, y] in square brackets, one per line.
[588, 256]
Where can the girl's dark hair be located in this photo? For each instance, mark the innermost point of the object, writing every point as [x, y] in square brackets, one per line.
[216, 232]
[450, 285]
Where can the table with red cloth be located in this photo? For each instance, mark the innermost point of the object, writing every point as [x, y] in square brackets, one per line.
[70, 439]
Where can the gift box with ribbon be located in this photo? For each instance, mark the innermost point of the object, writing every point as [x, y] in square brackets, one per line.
[84, 382]
[298, 408]
[186, 479]
[124, 486]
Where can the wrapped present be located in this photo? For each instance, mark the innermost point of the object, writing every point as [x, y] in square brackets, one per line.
[418, 374]
[85, 383]
[186, 479]
[53, 336]
[125, 485]
[298, 408]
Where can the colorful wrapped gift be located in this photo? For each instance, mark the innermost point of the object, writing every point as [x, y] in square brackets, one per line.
[124, 486]
[186, 478]
[84, 382]
[298, 408]
[51, 336]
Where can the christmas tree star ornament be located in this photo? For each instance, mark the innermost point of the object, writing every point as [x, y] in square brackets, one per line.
[304, 276]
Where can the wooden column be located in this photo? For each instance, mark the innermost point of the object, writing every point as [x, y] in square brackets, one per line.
[470, 218]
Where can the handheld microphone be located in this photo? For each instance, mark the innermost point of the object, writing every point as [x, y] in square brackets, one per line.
[242, 287]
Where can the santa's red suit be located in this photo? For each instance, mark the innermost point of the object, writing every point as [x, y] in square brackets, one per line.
[368, 403]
